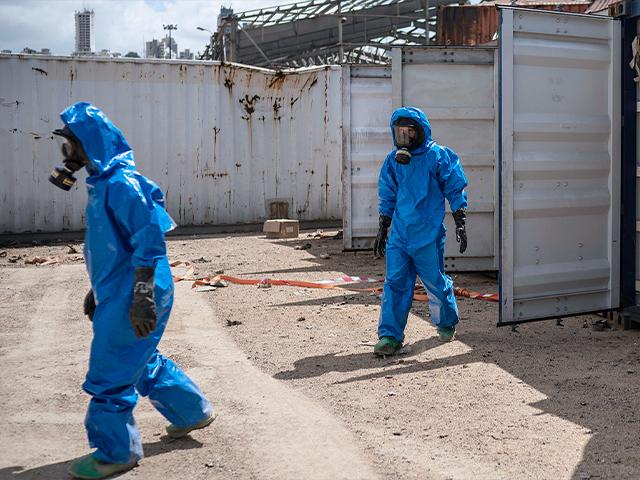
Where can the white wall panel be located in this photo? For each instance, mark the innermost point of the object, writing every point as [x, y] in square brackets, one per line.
[221, 141]
[560, 164]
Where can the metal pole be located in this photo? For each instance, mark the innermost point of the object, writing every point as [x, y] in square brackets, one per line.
[341, 47]
[426, 22]
[341, 55]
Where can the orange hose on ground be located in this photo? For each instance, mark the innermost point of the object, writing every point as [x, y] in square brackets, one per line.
[418, 294]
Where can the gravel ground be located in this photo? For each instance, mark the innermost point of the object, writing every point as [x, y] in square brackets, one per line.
[541, 402]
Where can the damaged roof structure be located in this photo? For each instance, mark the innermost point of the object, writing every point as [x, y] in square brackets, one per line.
[323, 32]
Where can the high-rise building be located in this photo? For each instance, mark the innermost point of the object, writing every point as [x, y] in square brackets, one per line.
[174, 47]
[186, 54]
[154, 49]
[160, 48]
[85, 32]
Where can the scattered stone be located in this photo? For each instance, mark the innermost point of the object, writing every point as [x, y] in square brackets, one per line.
[205, 288]
[42, 260]
[300, 319]
[304, 246]
[325, 256]
[72, 250]
[391, 394]
[14, 259]
[3, 254]
[233, 323]
[631, 371]
[397, 434]
[219, 272]
[201, 260]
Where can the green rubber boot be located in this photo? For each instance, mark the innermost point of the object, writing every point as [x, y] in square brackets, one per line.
[178, 432]
[89, 468]
[446, 334]
[387, 346]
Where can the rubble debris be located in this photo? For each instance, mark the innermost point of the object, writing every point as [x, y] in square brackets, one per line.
[304, 246]
[72, 249]
[3, 254]
[300, 319]
[205, 288]
[600, 325]
[14, 258]
[42, 261]
[233, 323]
[325, 256]
[201, 260]
[182, 271]
[337, 235]
[264, 283]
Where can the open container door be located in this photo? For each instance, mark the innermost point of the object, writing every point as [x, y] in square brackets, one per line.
[559, 165]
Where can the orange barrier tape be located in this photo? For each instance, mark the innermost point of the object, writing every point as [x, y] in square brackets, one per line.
[418, 293]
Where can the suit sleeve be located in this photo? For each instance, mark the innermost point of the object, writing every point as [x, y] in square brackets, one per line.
[387, 189]
[452, 179]
[139, 222]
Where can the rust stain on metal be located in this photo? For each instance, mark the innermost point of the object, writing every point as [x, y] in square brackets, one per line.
[277, 81]
[470, 25]
[277, 105]
[10, 104]
[229, 76]
[249, 103]
[313, 79]
[39, 70]
[215, 175]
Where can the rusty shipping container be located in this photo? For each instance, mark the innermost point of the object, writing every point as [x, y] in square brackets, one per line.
[224, 142]
[471, 25]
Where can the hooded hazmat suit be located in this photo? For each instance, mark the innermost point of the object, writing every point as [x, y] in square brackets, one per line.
[413, 196]
[126, 223]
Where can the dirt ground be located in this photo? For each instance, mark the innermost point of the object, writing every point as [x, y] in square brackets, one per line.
[298, 389]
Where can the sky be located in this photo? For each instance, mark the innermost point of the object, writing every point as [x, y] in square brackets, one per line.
[121, 25]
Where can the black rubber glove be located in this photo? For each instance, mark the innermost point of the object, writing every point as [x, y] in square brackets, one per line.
[380, 245]
[460, 216]
[89, 306]
[143, 309]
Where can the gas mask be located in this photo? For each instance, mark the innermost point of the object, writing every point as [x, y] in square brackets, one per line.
[408, 135]
[74, 159]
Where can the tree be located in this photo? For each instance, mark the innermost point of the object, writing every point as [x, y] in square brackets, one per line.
[132, 55]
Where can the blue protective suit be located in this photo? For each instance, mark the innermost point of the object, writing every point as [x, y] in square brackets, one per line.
[413, 196]
[126, 223]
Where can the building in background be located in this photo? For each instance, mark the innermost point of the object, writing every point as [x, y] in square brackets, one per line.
[85, 33]
[160, 48]
[153, 49]
[186, 54]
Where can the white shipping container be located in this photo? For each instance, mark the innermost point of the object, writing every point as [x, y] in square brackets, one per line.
[222, 141]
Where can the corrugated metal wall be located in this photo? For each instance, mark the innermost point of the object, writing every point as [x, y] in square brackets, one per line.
[367, 141]
[471, 25]
[221, 141]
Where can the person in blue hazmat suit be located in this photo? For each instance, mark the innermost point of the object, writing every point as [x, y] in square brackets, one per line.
[130, 298]
[414, 182]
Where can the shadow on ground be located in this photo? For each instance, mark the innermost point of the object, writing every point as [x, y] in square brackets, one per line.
[59, 470]
[589, 378]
